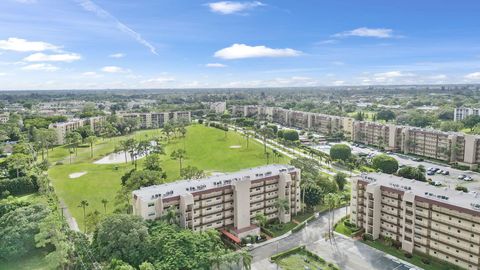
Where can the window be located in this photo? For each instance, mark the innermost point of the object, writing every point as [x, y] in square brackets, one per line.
[151, 204]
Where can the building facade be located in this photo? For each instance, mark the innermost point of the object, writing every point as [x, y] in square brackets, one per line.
[439, 222]
[228, 201]
[218, 107]
[462, 113]
[4, 117]
[63, 128]
[157, 119]
[452, 147]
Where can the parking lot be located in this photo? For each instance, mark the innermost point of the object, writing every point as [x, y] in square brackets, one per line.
[450, 180]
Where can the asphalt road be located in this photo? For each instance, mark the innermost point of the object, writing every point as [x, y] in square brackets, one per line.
[347, 253]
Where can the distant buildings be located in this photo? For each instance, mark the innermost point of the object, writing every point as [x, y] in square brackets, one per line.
[462, 113]
[157, 119]
[218, 107]
[228, 201]
[440, 222]
[453, 147]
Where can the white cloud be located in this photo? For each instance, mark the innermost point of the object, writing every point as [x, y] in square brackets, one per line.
[276, 82]
[102, 13]
[158, 81]
[114, 69]
[475, 76]
[117, 55]
[23, 45]
[367, 32]
[41, 57]
[338, 83]
[40, 67]
[3, 74]
[230, 7]
[239, 51]
[92, 74]
[215, 65]
[327, 41]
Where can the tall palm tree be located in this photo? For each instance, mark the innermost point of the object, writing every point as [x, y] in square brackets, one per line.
[179, 155]
[105, 202]
[171, 215]
[281, 205]
[91, 140]
[328, 200]
[84, 204]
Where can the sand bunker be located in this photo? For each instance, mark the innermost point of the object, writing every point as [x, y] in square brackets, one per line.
[235, 146]
[76, 175]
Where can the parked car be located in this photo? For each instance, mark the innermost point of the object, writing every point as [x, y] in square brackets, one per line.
[430, 173]
[436, 183]
[418, 159]
[468, 178]
[446, 172]
[462, 177]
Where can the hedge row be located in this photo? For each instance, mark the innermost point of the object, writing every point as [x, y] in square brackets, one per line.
[267, 231]
[284, 254]
[19, 186]
[219, 126]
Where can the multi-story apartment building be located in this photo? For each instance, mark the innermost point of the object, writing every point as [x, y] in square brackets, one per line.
[61, 129]
[440, 222]
[453, 147]
[4, 117]
[157, 119]
[462, 113]
[218, 107]
[228, 201]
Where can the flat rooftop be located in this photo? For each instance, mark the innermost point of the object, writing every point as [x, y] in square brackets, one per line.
[469, 200]
[189, 186]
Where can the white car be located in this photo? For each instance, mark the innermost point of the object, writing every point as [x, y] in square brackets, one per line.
[468, 178]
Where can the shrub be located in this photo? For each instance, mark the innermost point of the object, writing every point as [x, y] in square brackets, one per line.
[385, 163]
[425, 260]
[340, 152]
[290, 135]
[286, 253]
[461, 188]
[408, 255]
[367, 237]
[200, 121]
[20, 185]
[59, 163]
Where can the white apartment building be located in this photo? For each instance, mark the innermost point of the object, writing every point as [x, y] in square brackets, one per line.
[63, 128]
[439, 222]
[462, 113]
[218, 107]
[227, 202]
[157, 119]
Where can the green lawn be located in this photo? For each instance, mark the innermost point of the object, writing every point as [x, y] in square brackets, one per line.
[340, 227]
[416, 259]
[303, 260]
[207, 148]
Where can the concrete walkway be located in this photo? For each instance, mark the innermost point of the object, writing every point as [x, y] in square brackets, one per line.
[72, 223]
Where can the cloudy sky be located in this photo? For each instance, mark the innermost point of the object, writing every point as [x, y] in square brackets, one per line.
[83, 44]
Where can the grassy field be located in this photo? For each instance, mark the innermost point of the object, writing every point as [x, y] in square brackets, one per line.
[207, 149]
[303, 260]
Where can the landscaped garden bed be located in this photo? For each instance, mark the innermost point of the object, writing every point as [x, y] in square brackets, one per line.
[301, 258]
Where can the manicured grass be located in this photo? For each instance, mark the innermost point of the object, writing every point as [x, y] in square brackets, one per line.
[416, 259]
[303, 260]
[207, 148]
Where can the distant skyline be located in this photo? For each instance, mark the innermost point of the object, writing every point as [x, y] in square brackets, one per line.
[100, 44]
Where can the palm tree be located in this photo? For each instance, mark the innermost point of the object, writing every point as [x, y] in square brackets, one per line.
[247, 136]
[105, 202]
[267, 156]
[84, 205]
[179, 155]
[328, 200]
[91, 140]
[281, 205]
[171, 215]
[265, 132]
[261, 219]
[246, 259]
[124, 146]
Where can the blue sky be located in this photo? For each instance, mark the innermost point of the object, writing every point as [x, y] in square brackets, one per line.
[82, 44]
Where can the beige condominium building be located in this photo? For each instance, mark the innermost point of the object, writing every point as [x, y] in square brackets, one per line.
[228, 202]
[61, 129]
[452, 147]
[462, 113]
[440, 222]
[157, 119]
